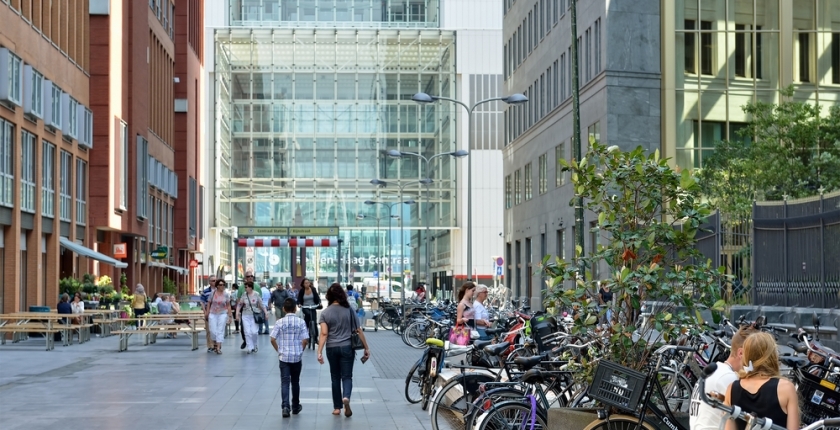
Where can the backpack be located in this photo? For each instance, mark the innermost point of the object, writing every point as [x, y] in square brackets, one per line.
[356, 302]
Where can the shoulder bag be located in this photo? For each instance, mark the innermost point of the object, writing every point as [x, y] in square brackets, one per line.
[355, 339]
[258, 317]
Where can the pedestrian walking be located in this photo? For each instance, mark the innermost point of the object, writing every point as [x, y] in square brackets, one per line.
[205, 302]
[139, 304]
[338, 323]
[289, 338]
[249, 276]
[217, 313]
[278, 298]
[250, 308]
[234, 297]
[265, 294]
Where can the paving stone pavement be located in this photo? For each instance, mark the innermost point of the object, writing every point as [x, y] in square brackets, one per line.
[167, 386]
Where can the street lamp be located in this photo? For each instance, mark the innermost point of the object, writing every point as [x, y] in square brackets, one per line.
[513, 99]
[402, 239]
[427, 181]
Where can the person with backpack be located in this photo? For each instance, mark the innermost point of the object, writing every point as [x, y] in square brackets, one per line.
[355, 301]
[278, 297]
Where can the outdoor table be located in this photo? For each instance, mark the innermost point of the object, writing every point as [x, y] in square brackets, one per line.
[154, 320]
[49, 322]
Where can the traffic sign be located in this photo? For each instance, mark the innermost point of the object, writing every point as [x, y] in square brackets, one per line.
[500, 261]
[498, 270]
[193, 263]
[376, 274]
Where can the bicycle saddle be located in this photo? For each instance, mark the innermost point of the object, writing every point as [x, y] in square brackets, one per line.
[497, 348]
[526, 363]
[533, 376]
[480, 344]
[795, 362]
[492, 331]
[798, 347]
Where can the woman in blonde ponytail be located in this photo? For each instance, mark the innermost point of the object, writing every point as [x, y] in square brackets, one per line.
[761, 390]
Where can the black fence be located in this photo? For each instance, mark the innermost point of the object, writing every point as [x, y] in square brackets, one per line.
[796, 252]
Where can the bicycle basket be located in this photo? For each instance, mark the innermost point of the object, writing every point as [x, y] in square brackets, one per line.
[616, 385]
[820, 397]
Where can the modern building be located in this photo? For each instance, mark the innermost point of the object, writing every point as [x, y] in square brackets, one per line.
[145, 88]
[45, 143]
[307, 98]
[661, 74]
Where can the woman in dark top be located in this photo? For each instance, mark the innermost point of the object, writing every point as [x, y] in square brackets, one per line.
[760, 390]
[338, 322]
[605, 297]
[64, 306]
[307, 297]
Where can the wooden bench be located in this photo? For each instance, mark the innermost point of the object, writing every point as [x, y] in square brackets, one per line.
[150, 334]
[105, 325]
[21, 332]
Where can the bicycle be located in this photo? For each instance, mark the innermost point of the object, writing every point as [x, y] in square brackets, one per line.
[312, 310]
[424, 373]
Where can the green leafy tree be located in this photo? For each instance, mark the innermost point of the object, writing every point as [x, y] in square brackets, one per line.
[788, 149]
[648, 215]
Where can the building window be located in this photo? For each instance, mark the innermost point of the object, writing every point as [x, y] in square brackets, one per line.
[81, 192]
[14, 85]
[517, 186]
[543, 172]
[65, 186]
[124, 166]
[72, 129]
[48, 180]
[740, 51]
[529, 187]
[7, 166]
[27, 179]
[690, 49]
[561, 244]
[55, 107]
[559, 174]
[835, 58]
[561, 77]
[542, 95]
[508, 192]
[594, 131]
[588, 53]
[142, 177]
[747, 59]
[597, 38]
[706, 47]
[803, 55]
[192, 198]
[36, 96]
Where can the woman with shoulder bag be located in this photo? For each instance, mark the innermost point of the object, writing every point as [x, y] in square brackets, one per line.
[249, 310]
[341, 335]
[217, 313]
[139, 304]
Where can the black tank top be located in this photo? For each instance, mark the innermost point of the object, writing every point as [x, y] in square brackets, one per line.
[764, 403]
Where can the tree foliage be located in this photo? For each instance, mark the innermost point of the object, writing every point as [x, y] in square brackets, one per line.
[788, 149]
[648, 215]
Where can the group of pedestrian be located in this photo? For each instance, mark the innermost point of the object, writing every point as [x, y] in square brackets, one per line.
[471, 311]
[337, 325]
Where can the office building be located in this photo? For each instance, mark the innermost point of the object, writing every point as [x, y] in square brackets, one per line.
[667, 75]
[45, 142]
[145, 87]
[307, 97]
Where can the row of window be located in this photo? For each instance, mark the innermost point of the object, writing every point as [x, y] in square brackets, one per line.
[161, 223]
[702, 41]
[28, 180]
[165, 13]
[513, 187]
[554, 85]
[533, 29]
[23, 86]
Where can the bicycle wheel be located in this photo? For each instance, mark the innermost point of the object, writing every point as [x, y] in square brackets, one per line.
[452, 402]
[487, 400]
[514, 414]
[416, 334]
[313, 335]
[618, 422]
[413, 382]
[385, 321]
[677, 390]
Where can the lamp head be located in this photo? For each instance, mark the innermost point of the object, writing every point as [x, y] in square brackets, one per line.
[460, 153]
[379, 182]
[395, 217]
[515, 99]
[393, 153]
[360, 216]
[370, 202]
[422, 98]
[426, 181]
[409, 202]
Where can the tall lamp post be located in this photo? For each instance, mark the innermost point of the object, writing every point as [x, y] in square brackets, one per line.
[513, 99]
[427, 181]
[402, 239]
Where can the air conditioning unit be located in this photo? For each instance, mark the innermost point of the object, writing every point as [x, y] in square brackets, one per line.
[33, 101]
[11, 77]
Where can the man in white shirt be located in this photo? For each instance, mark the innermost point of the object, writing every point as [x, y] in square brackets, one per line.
[703, 416]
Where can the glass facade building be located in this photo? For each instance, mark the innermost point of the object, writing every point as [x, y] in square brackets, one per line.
[305, 110]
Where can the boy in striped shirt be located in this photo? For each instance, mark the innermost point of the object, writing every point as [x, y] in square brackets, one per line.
[289, 338]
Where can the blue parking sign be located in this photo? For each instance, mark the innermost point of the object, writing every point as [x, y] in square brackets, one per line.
[498, 270]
